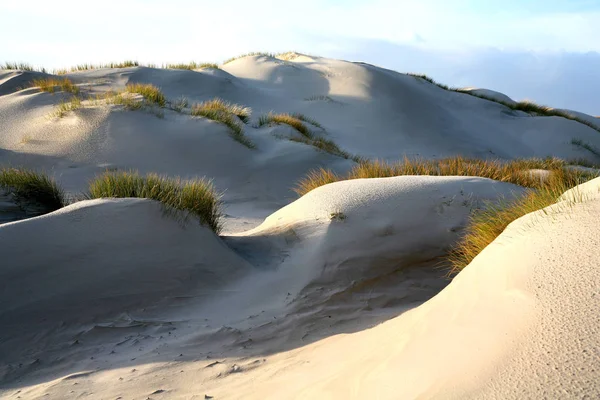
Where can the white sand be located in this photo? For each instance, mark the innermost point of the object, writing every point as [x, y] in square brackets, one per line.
[331, 296]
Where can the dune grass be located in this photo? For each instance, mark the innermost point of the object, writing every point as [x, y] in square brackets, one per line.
[21, 66]
[486, 224]
[220, 105]
[196, 197]
[251, 54]
[179, 104]
[88, 66]
[228, 114]
[29, 187]
[585, 145]
[51, 85]
[516, 171]
[151, 93]
[292, 120]
[65, 106]
[191, 66]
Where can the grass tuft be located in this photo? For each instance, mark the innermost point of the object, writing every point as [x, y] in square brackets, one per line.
[50, 85]
[192, 65]
[65, 106]
[22, 66]
[292, 120]
[228, 114]
[87, 66]
[220, 105]
[197, 197]
[31, 188]
[150, 92]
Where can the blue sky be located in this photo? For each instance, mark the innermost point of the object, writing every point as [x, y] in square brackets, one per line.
[541, 50]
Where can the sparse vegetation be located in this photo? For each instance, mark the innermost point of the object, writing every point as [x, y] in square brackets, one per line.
[192, 65]
[255, 53]
[22, 66]
[196, 197]
[321, 98]
[227, 114]
[337, 216]
[50, 85]
[517, 171]
[65, 106]
[87, 66]
[585, 145]
[525, 106]
[151, 93]
[285, 56]
[486, 224]
[180, 104]
[32, 189]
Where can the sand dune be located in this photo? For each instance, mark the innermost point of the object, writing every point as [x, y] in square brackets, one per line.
[338, 294]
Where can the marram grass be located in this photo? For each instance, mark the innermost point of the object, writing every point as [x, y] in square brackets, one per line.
[231, 115]
[515, 171]
[151, 93]
[29, 187]
[51, 85]
[196, 197]
[486, 224]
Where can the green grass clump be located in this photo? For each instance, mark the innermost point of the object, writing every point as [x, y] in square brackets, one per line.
[516, 171]
[150, 92]
[220, 105]
[227, 114]
[65, 106]
[192, 65]
[50, 85]
[486, 224]
[197, 197]
[31, 188]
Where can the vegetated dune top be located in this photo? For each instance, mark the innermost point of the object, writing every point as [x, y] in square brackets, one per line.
[366, 110]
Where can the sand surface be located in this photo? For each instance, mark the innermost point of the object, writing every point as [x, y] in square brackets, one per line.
[342, 293]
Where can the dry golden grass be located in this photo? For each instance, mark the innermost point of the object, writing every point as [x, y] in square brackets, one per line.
[486, 224]
[220, 105]
[191, 66]
[505, 171]
[292, 120]
[150, 92]
[228, 114]
[51, 85]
